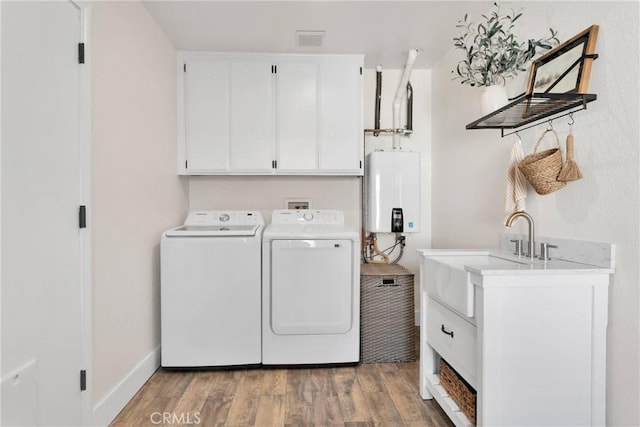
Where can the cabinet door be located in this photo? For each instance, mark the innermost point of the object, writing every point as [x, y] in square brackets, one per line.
[340, 117]
[252, 117]
[207, 115]
[297, 116]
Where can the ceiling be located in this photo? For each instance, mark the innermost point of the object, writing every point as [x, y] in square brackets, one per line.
[383, 30]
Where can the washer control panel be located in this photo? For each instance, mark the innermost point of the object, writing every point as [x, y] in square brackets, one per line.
[307, 216]
[224, 217]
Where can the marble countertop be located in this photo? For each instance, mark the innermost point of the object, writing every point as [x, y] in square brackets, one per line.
[497, 262]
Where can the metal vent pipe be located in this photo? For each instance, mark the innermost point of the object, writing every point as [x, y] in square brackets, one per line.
[376, 124]
[401, 92]
[409, 126]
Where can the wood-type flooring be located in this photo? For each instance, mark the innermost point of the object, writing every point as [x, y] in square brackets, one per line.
[376, 394]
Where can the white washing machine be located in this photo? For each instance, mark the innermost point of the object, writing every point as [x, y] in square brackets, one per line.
[311, 289]
[210, 290]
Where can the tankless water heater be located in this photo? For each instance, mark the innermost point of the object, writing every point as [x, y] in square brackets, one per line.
[393, 192]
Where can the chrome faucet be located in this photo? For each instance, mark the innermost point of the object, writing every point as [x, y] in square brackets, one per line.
[531, 248]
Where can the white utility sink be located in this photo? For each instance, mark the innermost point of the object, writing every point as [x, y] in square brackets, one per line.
[447, 278]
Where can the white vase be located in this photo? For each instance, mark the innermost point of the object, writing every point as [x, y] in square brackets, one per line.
[493, 97]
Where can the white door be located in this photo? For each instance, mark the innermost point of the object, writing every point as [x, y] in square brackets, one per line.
[41, 193]
[206, 112]
[297, 111]
[252, 117]
[340, 144]
[311, 287]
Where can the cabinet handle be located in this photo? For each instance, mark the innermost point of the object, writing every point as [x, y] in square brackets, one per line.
[444, 331]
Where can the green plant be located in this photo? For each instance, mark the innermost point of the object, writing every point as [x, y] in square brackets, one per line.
[493, 54]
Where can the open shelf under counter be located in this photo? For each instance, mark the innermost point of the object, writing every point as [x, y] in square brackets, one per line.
[432, 383]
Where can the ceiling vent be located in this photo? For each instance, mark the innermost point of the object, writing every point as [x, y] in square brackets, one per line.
[309, 38]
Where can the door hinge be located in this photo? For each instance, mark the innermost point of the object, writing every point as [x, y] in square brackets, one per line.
[82, 217]
[185, 68]
[83, 380]
[275, 162]
[80, 53]
[360, 164]
[274, 69]
[186, 164]
[360, 70]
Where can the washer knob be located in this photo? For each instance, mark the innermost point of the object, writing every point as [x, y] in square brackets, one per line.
[308, 216]
[224, 217]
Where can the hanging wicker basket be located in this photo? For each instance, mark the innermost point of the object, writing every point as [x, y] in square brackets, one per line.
[541, 168]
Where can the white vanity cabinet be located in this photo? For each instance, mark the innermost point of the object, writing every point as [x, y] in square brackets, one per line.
[534, 345]
[269, 114]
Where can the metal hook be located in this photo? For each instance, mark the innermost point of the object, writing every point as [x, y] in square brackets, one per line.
[572, 121]
[550, 125]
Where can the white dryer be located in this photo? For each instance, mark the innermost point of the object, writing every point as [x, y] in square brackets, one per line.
[311, 289]
[210, 290]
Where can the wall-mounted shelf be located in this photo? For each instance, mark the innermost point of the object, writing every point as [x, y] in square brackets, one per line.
[532, 108]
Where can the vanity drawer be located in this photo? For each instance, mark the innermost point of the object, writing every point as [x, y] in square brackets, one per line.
[454, 338]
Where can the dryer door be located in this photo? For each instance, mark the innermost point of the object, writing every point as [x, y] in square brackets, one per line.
[311, 287]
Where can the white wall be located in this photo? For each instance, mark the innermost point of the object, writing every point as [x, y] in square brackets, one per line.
[136, 191]
[469, 173]
[266, 193]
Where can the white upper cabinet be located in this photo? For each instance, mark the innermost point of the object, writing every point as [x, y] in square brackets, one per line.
[297, 116]
[252, 134]
[340, 112]
[263, 114]
[206, 115]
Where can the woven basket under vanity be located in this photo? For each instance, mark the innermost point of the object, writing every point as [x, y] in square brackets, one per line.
[461, 393]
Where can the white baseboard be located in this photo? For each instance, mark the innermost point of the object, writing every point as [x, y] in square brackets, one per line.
[108, 408]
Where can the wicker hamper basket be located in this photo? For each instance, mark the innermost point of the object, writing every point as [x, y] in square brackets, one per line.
[461, 393]
[387, 330]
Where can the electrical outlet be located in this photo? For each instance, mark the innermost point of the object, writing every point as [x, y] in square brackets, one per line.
[297, 204]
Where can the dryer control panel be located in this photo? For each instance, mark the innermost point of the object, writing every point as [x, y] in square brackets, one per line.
[307, 216]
